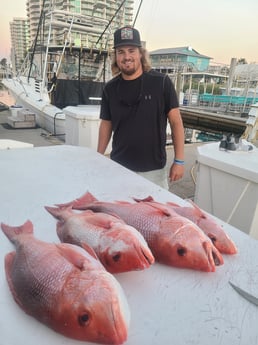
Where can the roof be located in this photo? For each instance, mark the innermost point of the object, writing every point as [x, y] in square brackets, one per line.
[205, 74]
[247, 71]
[189, 51]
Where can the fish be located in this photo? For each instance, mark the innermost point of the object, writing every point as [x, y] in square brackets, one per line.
[66, 288]
[119, 247]
[209, 225]
[174, 240]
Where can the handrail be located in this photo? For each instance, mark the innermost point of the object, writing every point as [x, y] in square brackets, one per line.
[58, 113]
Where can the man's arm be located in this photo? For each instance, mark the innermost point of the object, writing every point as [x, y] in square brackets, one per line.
[105, 132]
[178, 137]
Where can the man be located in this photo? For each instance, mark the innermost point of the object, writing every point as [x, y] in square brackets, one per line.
[136, 105]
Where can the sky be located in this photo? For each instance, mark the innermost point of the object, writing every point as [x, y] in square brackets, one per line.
[220, 29]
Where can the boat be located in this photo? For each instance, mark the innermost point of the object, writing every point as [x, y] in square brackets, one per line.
[67, 66]
[3, 106]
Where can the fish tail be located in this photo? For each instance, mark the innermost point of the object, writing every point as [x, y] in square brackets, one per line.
[79, 203]
[12, 232]
[84, 200]
[57, 212]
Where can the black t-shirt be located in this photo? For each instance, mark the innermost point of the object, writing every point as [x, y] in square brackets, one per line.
[138, 111]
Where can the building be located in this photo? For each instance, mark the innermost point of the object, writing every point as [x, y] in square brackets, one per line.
[25, 31]
[182, 59]
[85, 14]
[19, 42]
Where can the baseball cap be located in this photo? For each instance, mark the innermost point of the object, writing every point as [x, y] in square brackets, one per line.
[127, 36]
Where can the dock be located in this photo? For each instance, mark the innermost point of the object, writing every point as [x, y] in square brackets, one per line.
[206, 120]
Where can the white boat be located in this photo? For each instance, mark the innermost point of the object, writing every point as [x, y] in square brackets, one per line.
[62, 68]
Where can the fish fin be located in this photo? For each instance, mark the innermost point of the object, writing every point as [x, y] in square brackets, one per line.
[104, 220]
[59, 212]
[9, 258]
[157, 205]
[173, 204]
[199, 212]
[122, 202]
[74, 254]
[89, 250]
[84, 200]
[81, 202]
[162, 208]
[148, 198]
[12, 232]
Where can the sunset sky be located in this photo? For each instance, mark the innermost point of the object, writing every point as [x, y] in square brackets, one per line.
[219, 29]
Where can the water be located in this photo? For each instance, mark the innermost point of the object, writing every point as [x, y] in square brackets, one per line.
[6, 98]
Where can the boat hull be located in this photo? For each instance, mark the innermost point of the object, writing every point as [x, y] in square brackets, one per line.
[48, 116]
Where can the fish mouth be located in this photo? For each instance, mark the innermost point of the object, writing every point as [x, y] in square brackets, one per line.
[225, 247]
[146, 257]
[214, 256]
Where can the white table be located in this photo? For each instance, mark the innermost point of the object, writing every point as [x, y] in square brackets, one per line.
[168, 305]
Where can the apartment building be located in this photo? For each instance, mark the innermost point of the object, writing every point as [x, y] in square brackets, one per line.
[110, 13]
[86, 12]
[19, 42]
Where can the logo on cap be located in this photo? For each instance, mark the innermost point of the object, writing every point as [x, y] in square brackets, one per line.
[127, 34]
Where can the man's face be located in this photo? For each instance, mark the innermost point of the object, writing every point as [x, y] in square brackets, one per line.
[128, 59]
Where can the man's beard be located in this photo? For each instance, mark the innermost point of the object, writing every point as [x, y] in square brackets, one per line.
[128, 71]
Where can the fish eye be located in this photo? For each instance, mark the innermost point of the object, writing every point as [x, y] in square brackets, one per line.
[116, 257]
[83, 319]
[213, 239]
[181, 251]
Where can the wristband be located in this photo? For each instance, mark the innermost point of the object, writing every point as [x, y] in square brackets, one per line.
[179, 161]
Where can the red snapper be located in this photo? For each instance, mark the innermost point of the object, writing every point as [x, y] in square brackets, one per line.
[119, 247]
[174, 240]
[209, 226]
[66, 288]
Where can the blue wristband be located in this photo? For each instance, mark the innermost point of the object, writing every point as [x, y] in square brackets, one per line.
[179, 161]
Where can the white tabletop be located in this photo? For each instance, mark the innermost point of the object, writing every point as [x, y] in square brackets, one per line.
[168, 305]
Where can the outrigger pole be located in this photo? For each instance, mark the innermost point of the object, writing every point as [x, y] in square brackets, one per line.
[122, 3]
[136, 16]
[36, 38]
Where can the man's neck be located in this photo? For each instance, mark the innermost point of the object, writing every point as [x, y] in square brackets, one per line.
[136, 75]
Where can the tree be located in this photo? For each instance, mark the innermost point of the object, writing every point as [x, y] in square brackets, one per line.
[241, 61]
[3, 62]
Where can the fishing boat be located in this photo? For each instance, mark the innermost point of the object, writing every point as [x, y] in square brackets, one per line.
[67, 66]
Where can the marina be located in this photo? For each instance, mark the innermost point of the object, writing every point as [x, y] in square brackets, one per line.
[67, 65]
[49, 122]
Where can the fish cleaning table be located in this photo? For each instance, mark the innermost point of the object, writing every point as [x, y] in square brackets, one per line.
[168, 305]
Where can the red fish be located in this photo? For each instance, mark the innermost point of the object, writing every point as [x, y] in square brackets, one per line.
[119, 247]
[174, 240]
[208, 224]
[66, 288]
